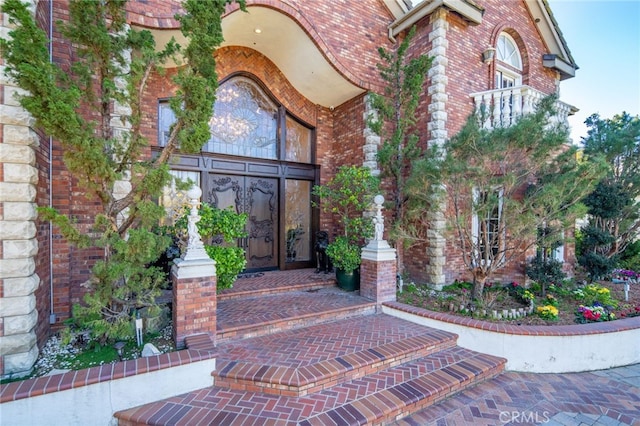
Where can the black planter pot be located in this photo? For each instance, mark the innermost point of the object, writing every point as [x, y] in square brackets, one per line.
[348, 281]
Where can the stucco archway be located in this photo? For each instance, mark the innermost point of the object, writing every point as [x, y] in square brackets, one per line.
[288, 44]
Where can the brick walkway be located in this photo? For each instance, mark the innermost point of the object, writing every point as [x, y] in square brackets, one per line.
[609, 397]
[270, 379]
[353, 371]
[254, 316]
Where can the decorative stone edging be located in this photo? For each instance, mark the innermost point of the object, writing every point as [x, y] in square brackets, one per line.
[538, 349]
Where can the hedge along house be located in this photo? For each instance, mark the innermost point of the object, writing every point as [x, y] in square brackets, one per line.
[291, 107]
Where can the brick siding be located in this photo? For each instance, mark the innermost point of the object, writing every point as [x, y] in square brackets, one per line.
[348, 35]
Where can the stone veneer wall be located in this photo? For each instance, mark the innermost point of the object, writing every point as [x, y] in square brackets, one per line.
[438, 134]
[371, 140]
[18, 192]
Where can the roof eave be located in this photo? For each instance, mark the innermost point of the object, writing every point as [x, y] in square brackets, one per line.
[566, 70]
[554, 40]
[468, 10]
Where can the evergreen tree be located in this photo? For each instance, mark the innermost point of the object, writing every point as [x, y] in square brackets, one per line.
[395, 121]
[78, 107]
[614, 205]
[501, 186]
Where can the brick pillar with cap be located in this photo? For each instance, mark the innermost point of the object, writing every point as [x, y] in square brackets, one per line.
[378, 269]
[194, 284]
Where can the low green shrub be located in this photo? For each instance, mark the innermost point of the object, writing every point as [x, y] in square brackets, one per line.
[458, 285]
[593, 293]
[230, 261]
[219, 230]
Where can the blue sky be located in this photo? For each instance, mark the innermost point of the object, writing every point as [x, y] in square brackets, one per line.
[604, 39]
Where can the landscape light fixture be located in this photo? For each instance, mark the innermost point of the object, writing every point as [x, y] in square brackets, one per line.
[118, 347]
[138, 329]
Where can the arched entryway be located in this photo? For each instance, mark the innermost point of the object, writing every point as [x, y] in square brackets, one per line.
[259, 161]
[261, 158]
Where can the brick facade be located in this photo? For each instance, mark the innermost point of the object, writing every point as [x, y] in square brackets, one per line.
[347, 34]
[378, 280]
[194, 310]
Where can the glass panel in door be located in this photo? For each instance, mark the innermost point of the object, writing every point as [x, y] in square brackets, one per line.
[298, 220]
[175, 200]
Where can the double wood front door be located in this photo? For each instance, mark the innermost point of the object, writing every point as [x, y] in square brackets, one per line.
[258, 197]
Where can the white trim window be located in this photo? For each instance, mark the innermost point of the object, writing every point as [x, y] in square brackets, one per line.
[166, 118]
[508, 75]
[507, 52]
[487, 223]
[550, 243]
[558, 252]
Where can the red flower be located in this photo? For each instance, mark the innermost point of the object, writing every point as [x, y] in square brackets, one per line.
[590, 315]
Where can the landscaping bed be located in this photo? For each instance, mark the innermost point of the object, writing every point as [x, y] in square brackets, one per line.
[57, 356]
[604, 301]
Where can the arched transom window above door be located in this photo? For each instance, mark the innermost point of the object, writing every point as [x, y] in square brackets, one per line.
[246, 122]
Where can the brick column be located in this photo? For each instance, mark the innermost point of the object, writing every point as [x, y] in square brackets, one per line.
[379, 265]
[194, 283]
[378, 272]
[194, 299]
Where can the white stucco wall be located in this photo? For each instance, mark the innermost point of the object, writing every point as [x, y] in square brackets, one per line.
[96, 404]
[546, 354]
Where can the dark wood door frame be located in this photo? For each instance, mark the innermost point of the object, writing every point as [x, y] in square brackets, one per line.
[252, 167]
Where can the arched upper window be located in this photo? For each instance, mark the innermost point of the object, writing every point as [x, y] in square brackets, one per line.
[247, 123]
[508, 63]
[244, 121]
[507, 51]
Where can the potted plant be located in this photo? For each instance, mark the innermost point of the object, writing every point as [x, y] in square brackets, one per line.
[346, 261]
[348, 195]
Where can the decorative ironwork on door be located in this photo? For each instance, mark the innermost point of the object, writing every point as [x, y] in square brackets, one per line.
[258, 197]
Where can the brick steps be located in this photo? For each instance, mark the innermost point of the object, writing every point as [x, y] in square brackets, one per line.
[380, 398]
[409, 387]
[289, 353]
[319, 374]
[366, 370]
[278, 282]
[241, 318]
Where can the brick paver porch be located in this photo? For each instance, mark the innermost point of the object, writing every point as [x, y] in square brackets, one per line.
[263, 380]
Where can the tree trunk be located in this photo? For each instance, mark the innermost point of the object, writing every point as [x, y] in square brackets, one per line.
[399, 246]
[479, 280]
